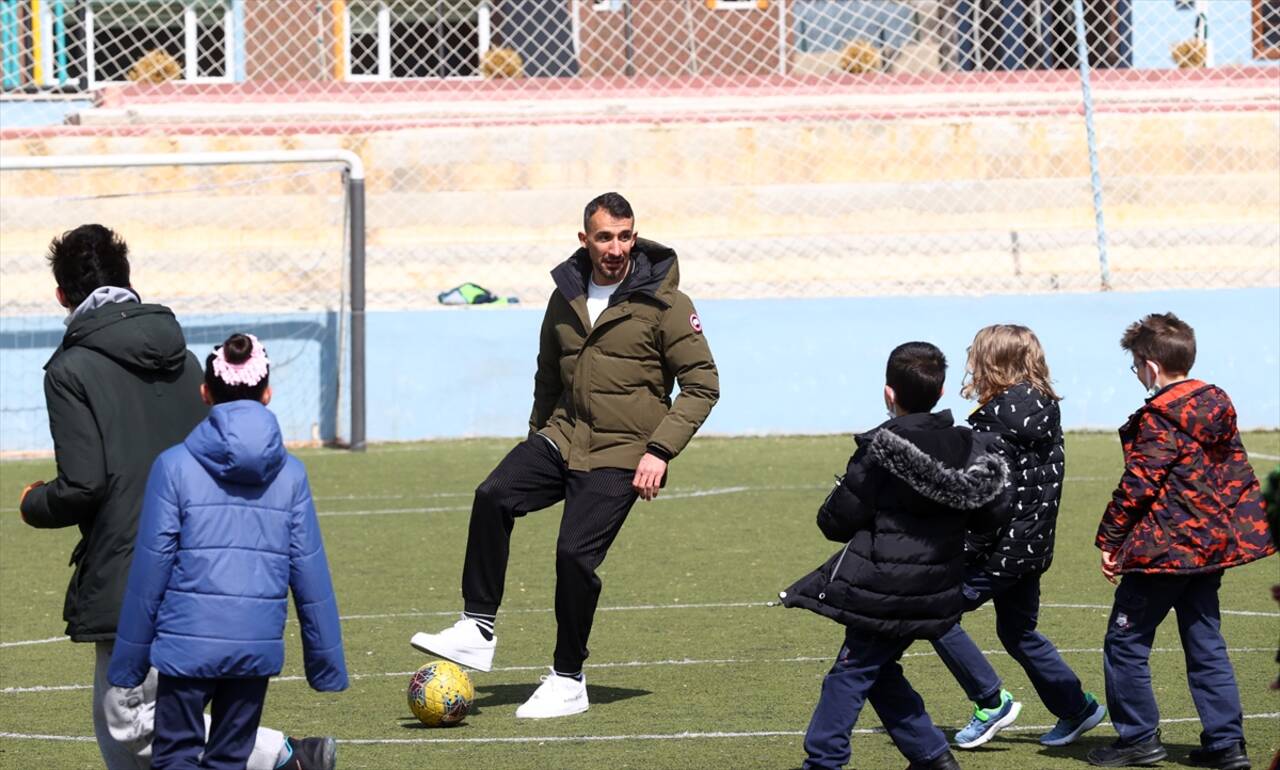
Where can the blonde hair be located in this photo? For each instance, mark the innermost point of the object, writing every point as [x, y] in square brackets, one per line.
[1001, 356]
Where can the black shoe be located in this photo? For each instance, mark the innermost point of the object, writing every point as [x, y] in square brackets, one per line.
[313, 754]
[1120, 754]
[944, 761]
[1230, 758]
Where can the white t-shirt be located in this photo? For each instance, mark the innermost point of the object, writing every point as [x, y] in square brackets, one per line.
[598, 298]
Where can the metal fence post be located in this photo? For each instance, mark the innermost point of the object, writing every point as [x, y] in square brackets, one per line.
[355, 194]
[1095, 176]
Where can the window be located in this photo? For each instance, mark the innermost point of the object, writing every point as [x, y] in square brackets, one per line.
[187, 40]
[1266, 29]
[101, 41]
[392, 39]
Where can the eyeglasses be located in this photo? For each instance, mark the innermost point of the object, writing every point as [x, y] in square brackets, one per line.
[1133, 368]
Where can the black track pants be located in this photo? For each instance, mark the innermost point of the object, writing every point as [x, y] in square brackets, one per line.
[531, 477]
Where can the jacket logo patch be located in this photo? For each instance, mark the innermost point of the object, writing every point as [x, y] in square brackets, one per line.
[695, 322]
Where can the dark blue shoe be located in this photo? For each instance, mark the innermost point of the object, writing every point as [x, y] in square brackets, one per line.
[313, 754]
[1118, 754]
[1232, 757]
[1067, 730]
[944, 761]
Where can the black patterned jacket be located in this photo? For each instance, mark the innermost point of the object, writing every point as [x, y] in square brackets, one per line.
[1028, 425]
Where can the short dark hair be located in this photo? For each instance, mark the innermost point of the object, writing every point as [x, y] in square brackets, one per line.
[611, 202]
[1164, 338]
[916, 371]
[86, 258]
[236, 350]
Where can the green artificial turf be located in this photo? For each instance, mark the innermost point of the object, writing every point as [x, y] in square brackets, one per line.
[689, 668]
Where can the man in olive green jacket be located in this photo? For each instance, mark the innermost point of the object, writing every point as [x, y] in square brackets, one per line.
[618, 334]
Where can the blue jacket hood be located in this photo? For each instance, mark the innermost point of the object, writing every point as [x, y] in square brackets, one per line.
[239, 442]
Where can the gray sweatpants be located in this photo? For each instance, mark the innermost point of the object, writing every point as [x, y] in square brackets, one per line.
[136, 755]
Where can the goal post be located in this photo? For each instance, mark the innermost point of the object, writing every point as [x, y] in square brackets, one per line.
[274, 284]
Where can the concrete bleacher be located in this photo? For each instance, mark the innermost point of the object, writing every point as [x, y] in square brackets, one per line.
[768, 189]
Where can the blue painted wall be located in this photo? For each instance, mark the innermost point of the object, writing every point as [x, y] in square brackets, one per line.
[301, 347]
[786, 366]
[35, 113]
[817, 365]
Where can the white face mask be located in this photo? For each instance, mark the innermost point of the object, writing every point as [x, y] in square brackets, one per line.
[1151, 388]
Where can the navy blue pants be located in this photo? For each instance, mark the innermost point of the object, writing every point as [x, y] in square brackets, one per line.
[1142, 602]
[868, 670]
[1017, 605]
[180, 739]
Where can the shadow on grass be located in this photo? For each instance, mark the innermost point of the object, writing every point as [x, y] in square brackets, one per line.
[411, 723]
[1086, 743]
[509, 694]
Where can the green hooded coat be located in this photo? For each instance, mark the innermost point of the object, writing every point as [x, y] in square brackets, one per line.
[603, 393]
[121, 388]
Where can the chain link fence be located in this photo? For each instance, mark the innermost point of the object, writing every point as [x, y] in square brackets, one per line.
[785, 147]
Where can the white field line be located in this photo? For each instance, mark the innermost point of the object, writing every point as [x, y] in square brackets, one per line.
[653, 664]
[1264, 457]
[673, 494]
[1241, 613]
[662, 498]
[639, 608]
[417, 496]
[35, 641]
[683, 736]
[670, 494]
[393, 511]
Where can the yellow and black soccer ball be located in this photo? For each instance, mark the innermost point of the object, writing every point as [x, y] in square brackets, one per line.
[440, 694]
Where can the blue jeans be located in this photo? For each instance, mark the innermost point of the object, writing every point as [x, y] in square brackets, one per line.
[868, 670]
[1017, 606]
[1142, 602]
[180, 728]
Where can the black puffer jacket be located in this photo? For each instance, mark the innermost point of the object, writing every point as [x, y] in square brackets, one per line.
[1029, 426]
[914, 487]
[121, 388]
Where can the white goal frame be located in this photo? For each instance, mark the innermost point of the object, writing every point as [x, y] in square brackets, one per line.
[353, 171]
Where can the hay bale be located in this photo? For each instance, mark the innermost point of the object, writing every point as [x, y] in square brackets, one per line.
[156, 67]
[501, 63]
[1190, 54]
[861, 56]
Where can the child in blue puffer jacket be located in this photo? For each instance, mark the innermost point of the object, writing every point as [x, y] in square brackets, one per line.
[228, 527]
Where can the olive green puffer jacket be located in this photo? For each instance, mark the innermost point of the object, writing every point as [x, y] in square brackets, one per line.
[603, 393]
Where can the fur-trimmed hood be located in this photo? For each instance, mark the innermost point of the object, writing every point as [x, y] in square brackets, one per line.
[964, 488]
[913, 490]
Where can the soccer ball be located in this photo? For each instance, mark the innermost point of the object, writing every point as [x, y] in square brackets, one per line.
[440, 694]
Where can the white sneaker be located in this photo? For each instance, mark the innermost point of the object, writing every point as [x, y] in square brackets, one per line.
[461, 643]
[557, 696]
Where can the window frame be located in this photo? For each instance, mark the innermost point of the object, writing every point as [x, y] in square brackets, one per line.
[737, 5]
[484, 34]
[1262, 50]
[190, 45]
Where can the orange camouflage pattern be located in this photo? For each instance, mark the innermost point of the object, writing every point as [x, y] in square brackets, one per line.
[1188, 501]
